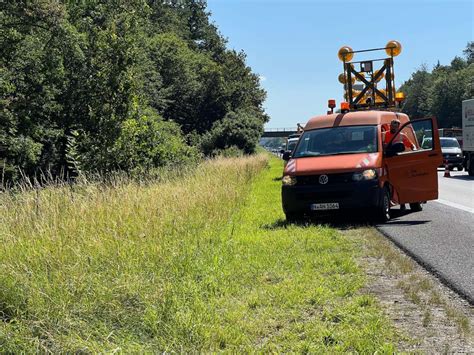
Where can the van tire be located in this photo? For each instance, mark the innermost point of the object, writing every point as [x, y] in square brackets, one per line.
[292, 217]
[383, 211]
[416, 207]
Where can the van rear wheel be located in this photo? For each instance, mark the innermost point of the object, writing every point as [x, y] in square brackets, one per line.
[416, 207]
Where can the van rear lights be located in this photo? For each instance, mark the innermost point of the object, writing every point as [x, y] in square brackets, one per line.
[368, 174]
[288, 180]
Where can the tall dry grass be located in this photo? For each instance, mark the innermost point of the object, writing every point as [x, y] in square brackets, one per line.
[126, 265]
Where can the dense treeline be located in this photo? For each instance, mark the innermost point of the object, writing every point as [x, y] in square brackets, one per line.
[441, 91]
[119, 85]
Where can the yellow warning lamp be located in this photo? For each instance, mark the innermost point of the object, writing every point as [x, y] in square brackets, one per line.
[399, 97]
[345, 54]
[343, 79]
[393, 48]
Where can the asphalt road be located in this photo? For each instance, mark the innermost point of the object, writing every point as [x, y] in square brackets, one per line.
[457, 191]
[441, 237]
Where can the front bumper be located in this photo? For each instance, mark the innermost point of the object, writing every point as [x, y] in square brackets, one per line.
[452, 160]
[349, 195]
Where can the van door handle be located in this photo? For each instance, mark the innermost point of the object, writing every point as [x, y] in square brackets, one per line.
[433, 154]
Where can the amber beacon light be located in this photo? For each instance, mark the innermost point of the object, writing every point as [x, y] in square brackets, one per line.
[345, 54]
[399, 96]
[345, 107]
[393, 48]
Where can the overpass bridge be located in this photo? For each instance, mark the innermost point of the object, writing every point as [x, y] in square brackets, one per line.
[279, 132]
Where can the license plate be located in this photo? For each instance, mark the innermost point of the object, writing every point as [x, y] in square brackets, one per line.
[324, 206]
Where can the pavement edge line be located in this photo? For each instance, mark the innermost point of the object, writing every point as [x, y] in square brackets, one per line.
[429, 268]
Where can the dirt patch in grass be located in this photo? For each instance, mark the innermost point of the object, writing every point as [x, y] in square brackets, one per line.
[430, 317]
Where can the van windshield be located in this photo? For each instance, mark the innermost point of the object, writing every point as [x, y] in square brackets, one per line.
[337, 140]
[449, 143]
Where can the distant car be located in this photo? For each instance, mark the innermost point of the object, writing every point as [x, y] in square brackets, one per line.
[292, 141]
[452, 152]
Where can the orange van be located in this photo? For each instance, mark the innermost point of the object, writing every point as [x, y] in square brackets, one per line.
[342, 162]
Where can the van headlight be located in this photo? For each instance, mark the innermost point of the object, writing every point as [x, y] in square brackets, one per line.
[368, 174]
[458, 155]
[288, 180]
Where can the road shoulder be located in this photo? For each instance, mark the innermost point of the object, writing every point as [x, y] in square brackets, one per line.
[430, 317]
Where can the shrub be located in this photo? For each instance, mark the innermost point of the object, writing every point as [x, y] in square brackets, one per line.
[148, 142]
[240, 130]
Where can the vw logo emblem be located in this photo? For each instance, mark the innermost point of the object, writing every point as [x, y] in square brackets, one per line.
[323, 179]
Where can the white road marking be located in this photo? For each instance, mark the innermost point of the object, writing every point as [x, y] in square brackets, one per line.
[455, 205]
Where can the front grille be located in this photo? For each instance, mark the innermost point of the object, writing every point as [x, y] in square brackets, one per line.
[308, 180]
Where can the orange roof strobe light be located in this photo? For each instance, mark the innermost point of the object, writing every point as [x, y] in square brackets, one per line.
[331, 105]
[399, 96]
[344, 107]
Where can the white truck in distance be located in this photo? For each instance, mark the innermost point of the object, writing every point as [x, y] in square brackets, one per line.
[468, 135]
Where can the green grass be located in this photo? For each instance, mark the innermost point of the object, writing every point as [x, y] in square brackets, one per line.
[200, 263]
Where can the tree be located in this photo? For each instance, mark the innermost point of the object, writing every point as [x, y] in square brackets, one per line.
[469, 52]
[441, 92]
[238, 129]
[78, 77]
[417, 93]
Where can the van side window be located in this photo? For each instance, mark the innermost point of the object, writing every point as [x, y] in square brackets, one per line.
[416, 136]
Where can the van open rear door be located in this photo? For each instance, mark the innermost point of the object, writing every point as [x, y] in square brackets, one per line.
[412, 169]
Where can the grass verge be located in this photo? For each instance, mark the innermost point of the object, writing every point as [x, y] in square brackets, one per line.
[202, 263]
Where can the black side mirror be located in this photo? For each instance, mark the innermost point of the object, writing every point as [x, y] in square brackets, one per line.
[282, 151]
[286, 155]
[394, 148]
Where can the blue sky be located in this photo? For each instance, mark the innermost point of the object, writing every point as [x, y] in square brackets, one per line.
[293, 44]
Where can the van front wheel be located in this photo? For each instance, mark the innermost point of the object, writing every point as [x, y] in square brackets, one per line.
[292, 217]
[383, 212]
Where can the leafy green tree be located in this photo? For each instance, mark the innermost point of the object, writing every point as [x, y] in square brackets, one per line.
[469, 52]
[441, 91]
[76, 78]
[238, 129]
[417, 93]
[146, 142]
